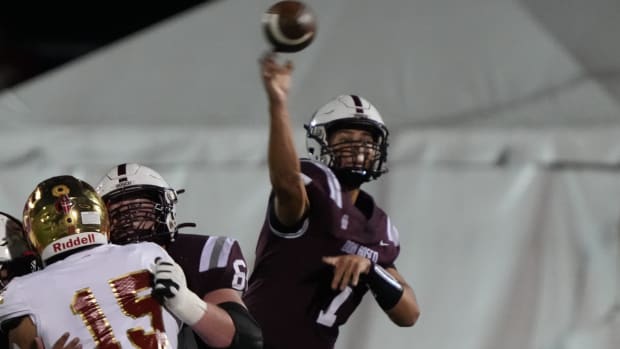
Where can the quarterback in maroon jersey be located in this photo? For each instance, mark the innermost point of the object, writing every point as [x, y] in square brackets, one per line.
[324, 241]
[142, 207]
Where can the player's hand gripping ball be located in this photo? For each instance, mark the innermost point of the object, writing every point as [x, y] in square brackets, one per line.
[290, 26]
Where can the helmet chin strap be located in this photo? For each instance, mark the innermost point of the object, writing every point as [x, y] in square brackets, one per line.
[351, 179]
[180, 226]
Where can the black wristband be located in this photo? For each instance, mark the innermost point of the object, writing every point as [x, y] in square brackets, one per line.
[384, 287]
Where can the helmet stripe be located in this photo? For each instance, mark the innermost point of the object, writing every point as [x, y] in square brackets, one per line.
[122, 171]
[358, 104]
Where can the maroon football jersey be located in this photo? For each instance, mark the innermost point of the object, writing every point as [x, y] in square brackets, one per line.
[209, 262]
[289, 290]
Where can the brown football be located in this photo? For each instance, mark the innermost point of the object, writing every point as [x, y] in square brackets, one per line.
[289, 26]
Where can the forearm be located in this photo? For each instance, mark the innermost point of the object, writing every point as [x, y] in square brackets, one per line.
[231, 327]
[284, 167]
[406, 312]
[215, 327]
[24, 333]
[394, 295]
[221, 326]
[282, 157]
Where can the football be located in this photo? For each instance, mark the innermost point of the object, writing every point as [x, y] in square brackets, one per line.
[290, 26]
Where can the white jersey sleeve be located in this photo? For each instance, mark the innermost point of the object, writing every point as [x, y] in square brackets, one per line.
[12, 302]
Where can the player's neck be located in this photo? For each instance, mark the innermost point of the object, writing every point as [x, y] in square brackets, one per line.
[353, 194]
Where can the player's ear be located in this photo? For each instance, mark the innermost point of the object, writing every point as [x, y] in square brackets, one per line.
[38, 343]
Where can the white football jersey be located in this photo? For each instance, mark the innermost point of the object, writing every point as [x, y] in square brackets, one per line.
[101, 295]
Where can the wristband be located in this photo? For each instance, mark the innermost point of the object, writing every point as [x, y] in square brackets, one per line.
[384, 287]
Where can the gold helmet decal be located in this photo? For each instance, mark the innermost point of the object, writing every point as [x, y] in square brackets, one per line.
[64, 213]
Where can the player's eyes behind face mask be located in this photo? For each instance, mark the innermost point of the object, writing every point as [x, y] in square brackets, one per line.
[135, 219]
[133, 214]
[353, 149]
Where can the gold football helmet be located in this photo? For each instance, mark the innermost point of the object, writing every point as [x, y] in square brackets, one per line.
[62, 214]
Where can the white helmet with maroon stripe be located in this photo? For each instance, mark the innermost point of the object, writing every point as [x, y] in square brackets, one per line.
[141, 204]
[348, 112]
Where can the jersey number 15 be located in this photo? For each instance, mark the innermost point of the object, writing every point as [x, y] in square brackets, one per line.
[125, 291]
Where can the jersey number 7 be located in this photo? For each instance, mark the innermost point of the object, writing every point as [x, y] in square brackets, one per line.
[125, 291]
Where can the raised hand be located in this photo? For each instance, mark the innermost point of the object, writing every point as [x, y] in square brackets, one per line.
[276, 77]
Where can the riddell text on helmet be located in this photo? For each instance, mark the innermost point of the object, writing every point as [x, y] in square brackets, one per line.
[87, 239]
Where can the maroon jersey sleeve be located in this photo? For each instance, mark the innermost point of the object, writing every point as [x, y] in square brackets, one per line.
[324, 194]
[210, 262]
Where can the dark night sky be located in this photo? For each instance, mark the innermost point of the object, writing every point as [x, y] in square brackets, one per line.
[38, 36]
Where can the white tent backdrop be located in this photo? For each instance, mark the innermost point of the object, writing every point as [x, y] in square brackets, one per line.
[505, 154]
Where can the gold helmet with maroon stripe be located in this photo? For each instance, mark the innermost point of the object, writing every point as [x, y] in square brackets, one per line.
[64, 214]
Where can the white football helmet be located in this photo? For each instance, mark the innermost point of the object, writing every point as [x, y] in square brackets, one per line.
[12, 238]
[348, 112]
[17, 256]
[141, 204]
